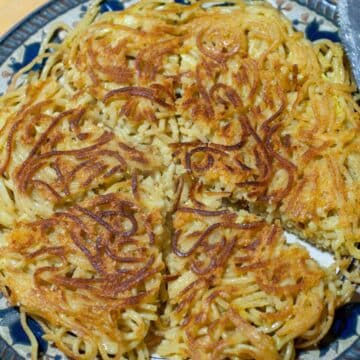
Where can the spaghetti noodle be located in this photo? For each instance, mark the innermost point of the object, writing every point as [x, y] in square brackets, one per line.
[142, 136]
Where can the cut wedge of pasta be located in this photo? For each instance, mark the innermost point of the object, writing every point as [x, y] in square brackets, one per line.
[91, 274]
[237, 290]
[214, 125]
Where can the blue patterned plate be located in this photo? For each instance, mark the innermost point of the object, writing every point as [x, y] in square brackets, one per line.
[317, 18]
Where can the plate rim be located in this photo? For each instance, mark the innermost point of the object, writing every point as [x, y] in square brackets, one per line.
[20, 32]
[323, 8]
[33, 22]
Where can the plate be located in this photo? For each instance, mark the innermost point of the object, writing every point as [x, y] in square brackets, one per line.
[316, 18]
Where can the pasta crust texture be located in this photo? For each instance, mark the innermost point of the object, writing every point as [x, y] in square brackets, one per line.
[149, 165]
[236, 290]
[92, 271]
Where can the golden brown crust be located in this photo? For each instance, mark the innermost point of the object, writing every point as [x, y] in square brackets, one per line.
[196, 111]
[84, 270]
[236, 289]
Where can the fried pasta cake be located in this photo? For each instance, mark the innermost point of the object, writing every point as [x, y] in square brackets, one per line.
[147, 171]
[236, 290]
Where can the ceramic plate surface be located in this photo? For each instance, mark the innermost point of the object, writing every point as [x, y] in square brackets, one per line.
[316, 18]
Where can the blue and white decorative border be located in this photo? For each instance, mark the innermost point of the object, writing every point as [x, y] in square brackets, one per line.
[325, 8]
[316, 18]
[32, 23]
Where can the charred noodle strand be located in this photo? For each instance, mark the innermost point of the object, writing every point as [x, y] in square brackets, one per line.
[247, 114]
[76, 112]
[97, 218]
[178, 192]
[32, 164]
[209, 111]
[49, 188]
[73, 218]
[103, 153]
[149, 60]
[135, 155]
[206, 234]
[14, 128]
[210, 159]
[189, 294]
[124, 214]
[61, 178]
[120, 74]
[203, 212]
[237, 146]
[138, 92]
[225, 249]
[249, 66]
[97, 168]
[218, 56]
[101, 286]
[285, 164]
[77, 239]
[195, 187]
[123, 259]
[273, 117]
[230, 93]
[263, 162]
[135, 186]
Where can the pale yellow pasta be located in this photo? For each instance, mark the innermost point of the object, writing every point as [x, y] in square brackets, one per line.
[139, 114]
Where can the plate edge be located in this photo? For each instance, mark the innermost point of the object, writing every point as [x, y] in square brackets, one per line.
[34, 21]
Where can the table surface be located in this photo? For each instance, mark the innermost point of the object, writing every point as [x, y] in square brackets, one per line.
[12, 11]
